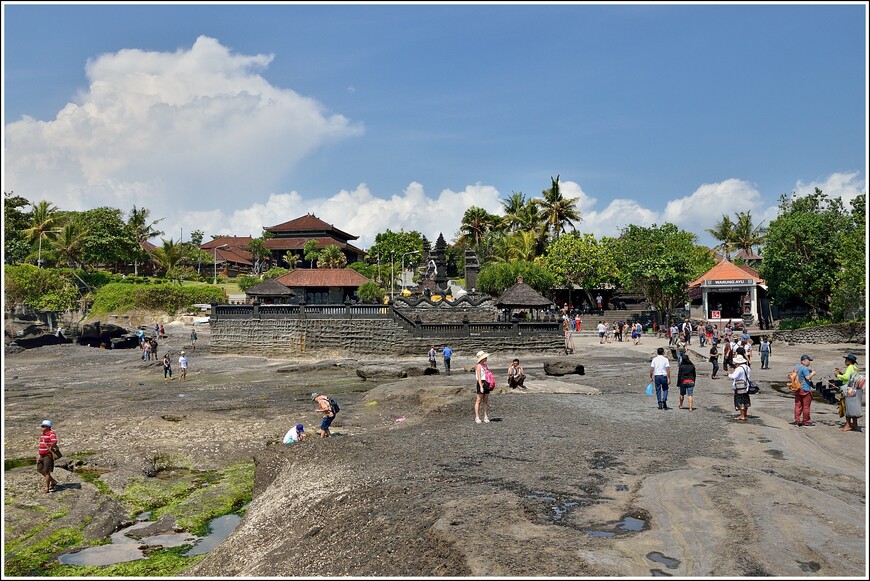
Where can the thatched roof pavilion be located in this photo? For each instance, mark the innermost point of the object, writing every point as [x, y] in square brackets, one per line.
[270, 291]
[521, 296]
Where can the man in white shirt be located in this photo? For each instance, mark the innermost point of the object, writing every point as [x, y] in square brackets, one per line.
[602, 331]
[182, 363]
[660, 374]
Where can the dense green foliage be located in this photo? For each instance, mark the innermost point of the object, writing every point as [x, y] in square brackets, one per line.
[121, 297]
[495, 277]
[370, 292]
[15, 221]
[659, 262]
[580, 259]
[45, 289]
[815, 253]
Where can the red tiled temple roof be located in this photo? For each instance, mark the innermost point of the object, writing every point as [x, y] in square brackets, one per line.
[322, 277]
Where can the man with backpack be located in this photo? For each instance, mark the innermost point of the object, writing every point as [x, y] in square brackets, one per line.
[804, 396]
[329, 408]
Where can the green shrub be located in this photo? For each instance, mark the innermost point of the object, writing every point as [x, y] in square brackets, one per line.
[121, 297]
[275, 272]
[370, 292]
[246, 281]
[45, 289]
[116, 297]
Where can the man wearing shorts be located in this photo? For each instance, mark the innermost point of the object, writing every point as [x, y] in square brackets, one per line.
[44, 459]
[324, 406]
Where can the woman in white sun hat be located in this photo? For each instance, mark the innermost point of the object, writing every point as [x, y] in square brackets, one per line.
[484, 384]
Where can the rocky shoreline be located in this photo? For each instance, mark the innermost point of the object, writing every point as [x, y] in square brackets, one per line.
[579, 475]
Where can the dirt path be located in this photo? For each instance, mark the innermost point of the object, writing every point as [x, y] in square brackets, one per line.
[576, 476]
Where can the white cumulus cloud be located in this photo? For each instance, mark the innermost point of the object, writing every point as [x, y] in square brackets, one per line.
[164, 130]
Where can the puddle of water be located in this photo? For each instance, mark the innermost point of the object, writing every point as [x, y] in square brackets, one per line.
[668, 562]
[621, 488]
[219, 529]
[659, 573]
[122, 549]
[632, 524]
[600, 533]
[809, 566]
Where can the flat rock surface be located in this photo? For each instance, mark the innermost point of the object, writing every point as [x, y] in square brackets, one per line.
[575, 476]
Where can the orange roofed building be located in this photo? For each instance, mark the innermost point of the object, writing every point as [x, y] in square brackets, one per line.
[291, 237]
[730, 291]
[323, 285]
[229, 254]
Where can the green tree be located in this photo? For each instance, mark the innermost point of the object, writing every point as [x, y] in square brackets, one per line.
[806, 251]
[169, 257]
[559, 212]
[291, 259]
[68, 245]
[370, 292]
[15, 222]
[723, 231]
[476, 223]
[745, 235]
[260, 254]
[142, 230]
[310, 252]
[106, 239]
[659, 262]
[850, 290]
[495, 277]
[580, 259]
[331, 257]
[43, 221]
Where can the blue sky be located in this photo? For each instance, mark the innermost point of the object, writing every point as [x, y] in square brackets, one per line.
[228, 118]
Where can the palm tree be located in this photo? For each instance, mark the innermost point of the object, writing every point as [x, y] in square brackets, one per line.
[723, 231]
[498, 245]
[42, 221]
[169, 256]
[558, 210]
[292, 259]
[475, 223]
[142, 230]
[524, 246]
[331, 257]
[744, 236]
[68, 245]
[513, 209]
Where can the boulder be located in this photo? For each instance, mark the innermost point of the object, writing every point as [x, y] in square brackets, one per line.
[381, 372]
[564, 366]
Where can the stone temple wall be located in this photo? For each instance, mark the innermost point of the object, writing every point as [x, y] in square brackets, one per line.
[840, 333]
[353, 337]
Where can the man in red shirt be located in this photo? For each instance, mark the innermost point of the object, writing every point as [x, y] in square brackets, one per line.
[44, 460]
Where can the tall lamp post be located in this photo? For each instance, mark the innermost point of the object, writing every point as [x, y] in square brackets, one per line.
[403, 266]
[215, 260]
[392, 274]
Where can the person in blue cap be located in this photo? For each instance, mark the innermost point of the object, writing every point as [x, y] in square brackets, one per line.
[295, 434]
